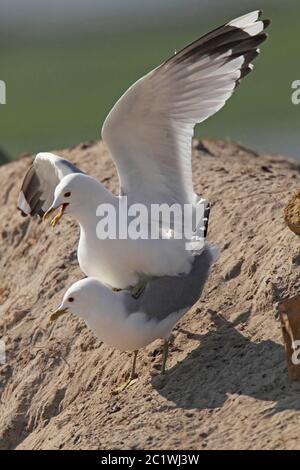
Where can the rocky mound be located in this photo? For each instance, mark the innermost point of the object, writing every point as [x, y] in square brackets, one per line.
[227, 382]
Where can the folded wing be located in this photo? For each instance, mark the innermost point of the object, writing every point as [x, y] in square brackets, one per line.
[40, 181]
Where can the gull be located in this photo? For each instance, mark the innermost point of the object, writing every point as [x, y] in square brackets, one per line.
[129, 324]
[149, 135]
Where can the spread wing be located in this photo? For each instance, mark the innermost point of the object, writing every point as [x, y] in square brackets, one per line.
[40, 181]
[149, 130]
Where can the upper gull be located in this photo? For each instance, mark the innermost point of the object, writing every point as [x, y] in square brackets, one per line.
[149, 134]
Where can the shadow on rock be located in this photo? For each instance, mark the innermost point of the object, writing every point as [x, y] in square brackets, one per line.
[225, 363]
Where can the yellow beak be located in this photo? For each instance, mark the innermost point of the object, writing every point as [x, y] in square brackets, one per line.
[48, 213]
[58, 313]
[58, 216]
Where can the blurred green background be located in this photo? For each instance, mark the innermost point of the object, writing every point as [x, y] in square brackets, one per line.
[65, 63]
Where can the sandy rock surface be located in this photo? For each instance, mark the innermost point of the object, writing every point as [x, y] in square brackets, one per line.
[227, 381]
[292, 213]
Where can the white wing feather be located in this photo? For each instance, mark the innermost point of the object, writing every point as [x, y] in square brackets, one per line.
[37, 192]
[149, 130]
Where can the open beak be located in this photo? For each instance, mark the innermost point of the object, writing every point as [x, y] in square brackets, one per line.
[60, 213]
[58, 313]
[48, 213]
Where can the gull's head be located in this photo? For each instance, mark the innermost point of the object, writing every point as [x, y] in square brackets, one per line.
[70, 195]
[83, 299]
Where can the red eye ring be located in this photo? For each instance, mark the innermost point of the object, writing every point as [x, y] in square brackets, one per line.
[71, 299]
[68, 194]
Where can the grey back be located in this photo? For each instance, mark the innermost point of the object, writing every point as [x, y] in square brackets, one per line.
[168, 294]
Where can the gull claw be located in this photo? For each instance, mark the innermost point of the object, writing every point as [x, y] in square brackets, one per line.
[124, 386]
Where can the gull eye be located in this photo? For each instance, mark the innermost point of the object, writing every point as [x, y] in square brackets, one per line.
[68, 194]
[71, 299]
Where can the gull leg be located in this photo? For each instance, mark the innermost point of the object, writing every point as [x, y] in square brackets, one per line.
[133, 374]
[165, 356]
[132, 379]
[138, 289]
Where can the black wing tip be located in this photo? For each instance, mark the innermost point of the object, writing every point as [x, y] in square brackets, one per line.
[251, 55]
[245, 71]
[23, 214]
[248, 67]
[267, 23]
[220, 39]
[262, 37]
[260, 14]
[33, 213]
[30, 193]
[206, 219]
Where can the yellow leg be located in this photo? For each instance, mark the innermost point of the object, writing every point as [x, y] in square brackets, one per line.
[165, 357]
[132, 379]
